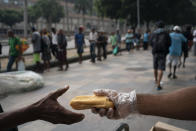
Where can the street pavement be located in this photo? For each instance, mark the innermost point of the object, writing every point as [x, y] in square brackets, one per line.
[124, 73]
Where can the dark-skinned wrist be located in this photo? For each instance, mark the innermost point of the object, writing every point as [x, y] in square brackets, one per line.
[33, 112]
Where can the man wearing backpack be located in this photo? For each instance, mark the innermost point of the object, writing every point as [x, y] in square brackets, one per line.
[160, 41]
[14, 53]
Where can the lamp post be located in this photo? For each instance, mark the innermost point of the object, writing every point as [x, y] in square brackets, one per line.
[67, 15]
[25, 18]
[138, 13]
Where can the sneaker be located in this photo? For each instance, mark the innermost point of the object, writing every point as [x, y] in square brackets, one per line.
[169, 76]
[175, 77]
[159, 88]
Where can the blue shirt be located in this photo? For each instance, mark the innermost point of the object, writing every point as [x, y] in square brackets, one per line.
[79, 38]
[129, 37]
[146, 36]
[177, 39]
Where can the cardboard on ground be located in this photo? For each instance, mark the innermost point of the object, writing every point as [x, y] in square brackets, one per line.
[160, 126]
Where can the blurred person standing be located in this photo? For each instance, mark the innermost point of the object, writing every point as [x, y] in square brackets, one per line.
[54, 43]
[0, 54]
[185, 46]
[79, 43]
[160, 41]
[175, 50]
[129, 39]
[100, 42]
[118, 37]
[62, 50]
[137, 38]
[46, 54]
[36, 40]
[104, 45]
[113, 40]
[93, 40]
[146, 40]
[194, 41]
[14, 53]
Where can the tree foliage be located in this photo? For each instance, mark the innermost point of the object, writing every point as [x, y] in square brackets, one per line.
[171, 11]
[83, 6]
[10, 17]
[50, 10]
[33, 15]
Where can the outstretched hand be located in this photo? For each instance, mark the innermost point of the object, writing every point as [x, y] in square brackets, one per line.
[48, 109]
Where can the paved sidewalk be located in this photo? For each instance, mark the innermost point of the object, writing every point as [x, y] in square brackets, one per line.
[122, 73]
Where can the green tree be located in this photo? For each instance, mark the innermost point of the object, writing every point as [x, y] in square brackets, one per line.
[10, 17]
[170, 11]
[50, 10]
[32, 15]
[83, 7]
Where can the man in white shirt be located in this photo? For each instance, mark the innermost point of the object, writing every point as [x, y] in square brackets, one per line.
[194, 41]
[54, 46]
[93, 41]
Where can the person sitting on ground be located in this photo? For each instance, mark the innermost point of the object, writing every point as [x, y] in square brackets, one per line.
[179, 104]
[79, 43]
[175, 50]
[47, 109]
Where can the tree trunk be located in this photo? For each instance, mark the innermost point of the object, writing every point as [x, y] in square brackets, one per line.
[147, 25]
[83, 19]
[25, 19]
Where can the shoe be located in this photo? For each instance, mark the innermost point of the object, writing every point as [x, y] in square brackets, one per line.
[175, 77]
[169, 76]
[159, 88]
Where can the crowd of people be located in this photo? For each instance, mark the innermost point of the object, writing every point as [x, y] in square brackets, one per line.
[177, 43]
[167, 49]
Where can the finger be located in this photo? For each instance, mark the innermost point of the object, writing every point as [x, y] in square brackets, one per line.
[102, 112]
[59, 92]
[110, 113]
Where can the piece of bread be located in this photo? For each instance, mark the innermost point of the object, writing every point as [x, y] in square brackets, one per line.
[88, 102]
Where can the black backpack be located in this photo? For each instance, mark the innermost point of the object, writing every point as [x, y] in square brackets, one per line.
[161, 43]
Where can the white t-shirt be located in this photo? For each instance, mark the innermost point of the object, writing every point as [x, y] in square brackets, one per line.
[194, 36]
[54, 39]
[93, 36]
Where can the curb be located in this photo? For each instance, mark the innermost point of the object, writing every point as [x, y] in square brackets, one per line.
[55, 63]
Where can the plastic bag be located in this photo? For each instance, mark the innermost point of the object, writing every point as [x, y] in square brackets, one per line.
[21, 65]
[20, 81]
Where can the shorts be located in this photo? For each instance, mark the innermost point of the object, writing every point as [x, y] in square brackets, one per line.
[80, 49]
[159, 61]
[36, 57]
[174, 60]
